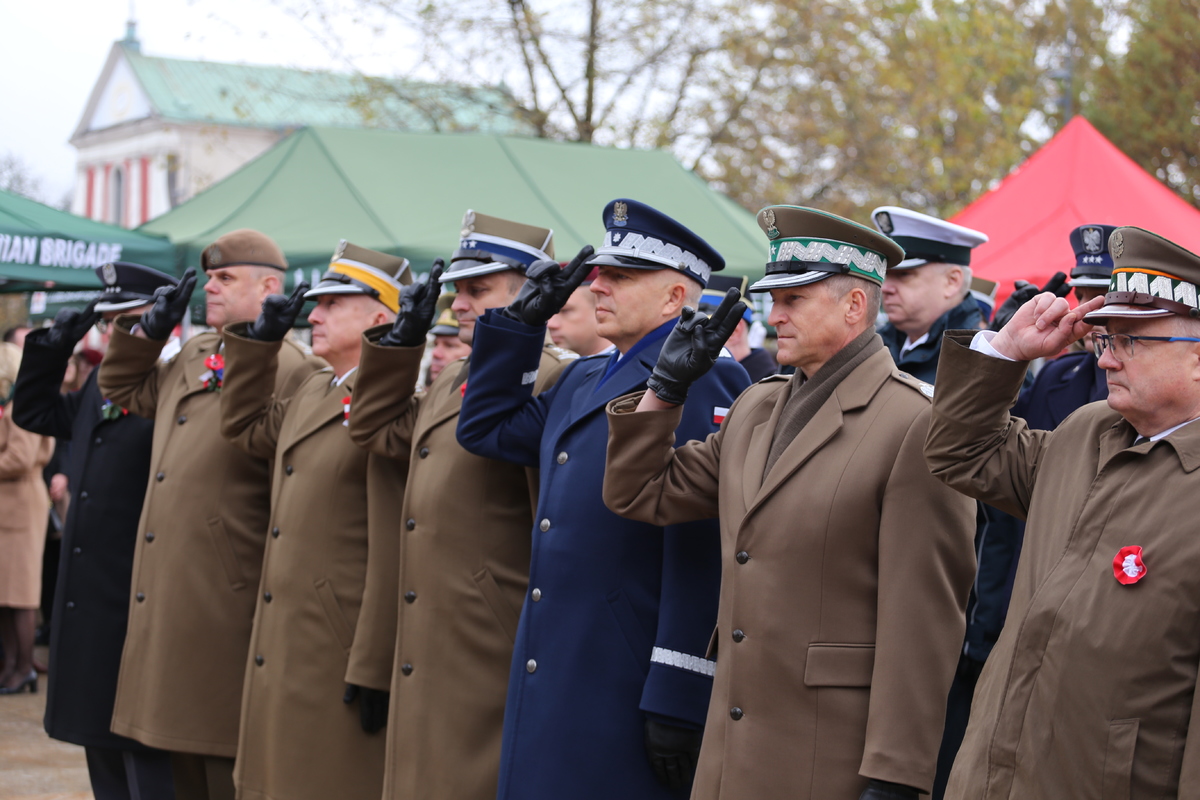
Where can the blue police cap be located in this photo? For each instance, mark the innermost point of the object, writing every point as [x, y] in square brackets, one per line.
[1093, 262]
[128, 285]
[641, 237]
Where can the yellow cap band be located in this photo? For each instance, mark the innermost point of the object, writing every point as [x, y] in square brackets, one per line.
[389, 292]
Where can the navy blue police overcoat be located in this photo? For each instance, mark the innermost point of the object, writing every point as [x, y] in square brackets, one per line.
[618, 614]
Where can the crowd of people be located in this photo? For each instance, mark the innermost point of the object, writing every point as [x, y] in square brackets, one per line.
[533, 529]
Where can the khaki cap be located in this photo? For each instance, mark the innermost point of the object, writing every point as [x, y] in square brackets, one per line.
[243, 248]
[1152, 277]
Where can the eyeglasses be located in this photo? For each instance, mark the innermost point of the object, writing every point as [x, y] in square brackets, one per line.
[1121, 344]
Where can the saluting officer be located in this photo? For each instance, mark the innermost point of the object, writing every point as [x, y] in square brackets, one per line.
[204, 521]
[1091, 689]
[930, 290]
[845, 564]
[320, 640]
[464, 542]
[107, 469]
[609, 684]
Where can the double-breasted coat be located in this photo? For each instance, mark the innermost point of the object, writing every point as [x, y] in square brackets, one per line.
[107, 469]
[618, 615]
[328, 585]
[464, 564]
[1090, 691]
[199, 547]
[25, 503]
[845, 575]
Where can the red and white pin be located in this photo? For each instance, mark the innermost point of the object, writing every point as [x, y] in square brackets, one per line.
[346, 411]
[1128, 566]
[719, 414]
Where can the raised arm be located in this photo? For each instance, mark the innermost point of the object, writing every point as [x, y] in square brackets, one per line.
[38, 405]
[251, 413]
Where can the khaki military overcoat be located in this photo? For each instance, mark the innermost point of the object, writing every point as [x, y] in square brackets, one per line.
[464, 569]
[314, 616]
[844, 581]
[1090, 690]
[199, 549]
[25, 505]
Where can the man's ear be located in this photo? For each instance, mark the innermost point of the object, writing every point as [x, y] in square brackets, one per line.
[856, 306]
[955, 278]
[272, 282]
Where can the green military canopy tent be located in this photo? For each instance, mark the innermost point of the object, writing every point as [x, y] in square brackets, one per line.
[406, 193]
[44, 248]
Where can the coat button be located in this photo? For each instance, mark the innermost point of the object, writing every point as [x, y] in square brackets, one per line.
[735, 713]
[562, 457]
[531, 666]
[83, 495]
[412, 523]
[149, 536]
[182, 419]
[738, 635]
[288, 469]
[742, 557]
[267, 596]
[160, 476]
[140, 597]
[77, 550]
[423, 452]
[70, 604]
[410, 597]
[98, 440]
[406, 669]
[275, 533]
[258, 660]
[536, 594]
[545, 526]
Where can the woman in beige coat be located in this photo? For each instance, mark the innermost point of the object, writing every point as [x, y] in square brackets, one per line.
[25, 503]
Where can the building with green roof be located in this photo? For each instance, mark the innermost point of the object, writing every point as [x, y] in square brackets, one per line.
[157, 131]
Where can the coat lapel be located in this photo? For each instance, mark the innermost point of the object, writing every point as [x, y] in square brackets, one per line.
[195, 367]
[760, 448]
[319, 405]
[445, 402]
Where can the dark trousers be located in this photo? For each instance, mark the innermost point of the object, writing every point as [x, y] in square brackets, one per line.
[958, 711]
[130, 774]
[202, 777]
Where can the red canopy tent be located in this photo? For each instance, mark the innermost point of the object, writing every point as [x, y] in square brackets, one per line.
[1076, 178]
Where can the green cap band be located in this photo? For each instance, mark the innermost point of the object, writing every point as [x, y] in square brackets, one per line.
[862, 262]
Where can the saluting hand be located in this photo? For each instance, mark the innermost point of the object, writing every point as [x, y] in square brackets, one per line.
[71, 325]
[170, 306]
[418, 304]
[692, 348]
[1043, 327]
[278, 315]
[547, 288]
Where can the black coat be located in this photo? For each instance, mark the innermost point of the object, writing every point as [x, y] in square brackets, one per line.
[108, 467]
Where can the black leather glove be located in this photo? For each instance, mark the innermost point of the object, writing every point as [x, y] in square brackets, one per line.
[278, 315]
[418, 304]
[372, 706]
[170, 306]
[885, 790]
[673, 752]
[547, 288]
[692, 348]
[71, 325]
[1023, 292]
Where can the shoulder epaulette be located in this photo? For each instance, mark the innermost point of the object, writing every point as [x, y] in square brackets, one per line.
[919, 385]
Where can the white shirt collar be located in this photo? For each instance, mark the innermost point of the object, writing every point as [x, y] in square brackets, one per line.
[909, 344]
[338, 381]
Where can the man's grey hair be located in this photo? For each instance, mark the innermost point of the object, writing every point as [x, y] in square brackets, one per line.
[839, 286]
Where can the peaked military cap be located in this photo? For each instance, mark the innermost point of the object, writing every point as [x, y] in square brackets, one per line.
[491, 244]
[927, 239]
[714, 293]
[243, 248]
[1152, 277]
[640, 237]
[1093, 262]
[807, 245]
[357, 270]
[446, 323]
[128, 285]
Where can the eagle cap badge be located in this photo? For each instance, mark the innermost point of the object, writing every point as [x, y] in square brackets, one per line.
[1116, 243]
[109, 272]
[468, 224]
[769, 218]
[620, 214]
[214, 255]
[1092, 240]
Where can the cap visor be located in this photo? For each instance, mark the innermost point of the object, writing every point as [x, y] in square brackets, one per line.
[909, 263]
[475, 269]
[124, 305]
[333, 288]
[1119, 310]
[444, 330]
[787, 280]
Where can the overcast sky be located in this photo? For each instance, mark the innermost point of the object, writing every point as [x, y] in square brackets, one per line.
[54, 50]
